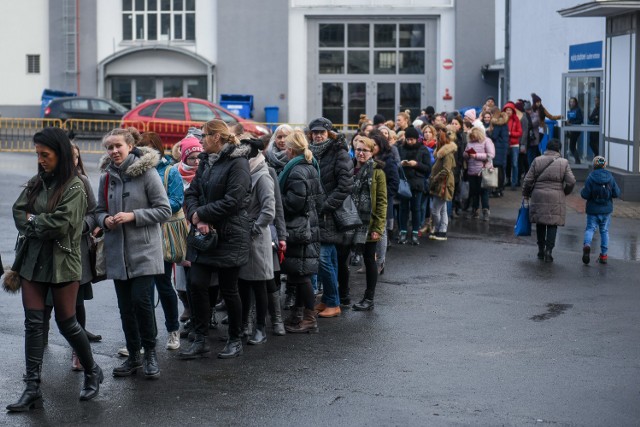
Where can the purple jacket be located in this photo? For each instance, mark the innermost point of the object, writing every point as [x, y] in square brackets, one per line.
[485, 152]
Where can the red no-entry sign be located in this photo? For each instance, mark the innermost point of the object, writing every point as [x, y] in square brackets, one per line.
[447, 64]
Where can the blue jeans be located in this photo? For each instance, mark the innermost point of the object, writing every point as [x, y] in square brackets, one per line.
[414, 205]
[328, 274]
[168, 298]
[602, 222]
[515, 153]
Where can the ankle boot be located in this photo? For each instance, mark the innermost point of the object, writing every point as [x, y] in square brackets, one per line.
[232, 349]
[259, 336]
[130, 366]
[92, 380]
[547, 255]
[275, 313]
[150, 364]
[77, 338]
[289, 300]
[33, 347]
[295, 317]
[198, 348]
[540, 251]
[309, 323]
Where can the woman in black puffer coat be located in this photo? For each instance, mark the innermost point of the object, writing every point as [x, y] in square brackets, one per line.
[301, 199]
[217, 199]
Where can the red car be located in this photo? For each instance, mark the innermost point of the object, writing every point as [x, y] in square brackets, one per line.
[171, 117]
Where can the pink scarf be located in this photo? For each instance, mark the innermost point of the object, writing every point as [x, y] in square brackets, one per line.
[187, 172]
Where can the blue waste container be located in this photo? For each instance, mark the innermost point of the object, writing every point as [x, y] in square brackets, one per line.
[551, 125]
[241, 105]
[49, 94]
[271, 113]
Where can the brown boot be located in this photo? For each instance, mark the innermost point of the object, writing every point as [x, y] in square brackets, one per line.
[295, 317]
[309, 323]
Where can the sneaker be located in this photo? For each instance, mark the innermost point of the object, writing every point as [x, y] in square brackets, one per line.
[123, 352]
[414, 239]
[475, 214]
[441, 236]
[602, 259]
[432, 236]
[173, 343]
[586, 251]
[485, 214]
[402, 239]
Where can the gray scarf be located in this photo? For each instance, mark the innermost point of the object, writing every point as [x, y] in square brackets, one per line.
[318, 150]
[276, 158]
[361, 194]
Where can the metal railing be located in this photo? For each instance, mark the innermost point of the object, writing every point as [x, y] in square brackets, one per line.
[16, 134]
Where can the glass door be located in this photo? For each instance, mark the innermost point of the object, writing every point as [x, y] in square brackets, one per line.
[581, 134]
[391, 98]
[333, 102]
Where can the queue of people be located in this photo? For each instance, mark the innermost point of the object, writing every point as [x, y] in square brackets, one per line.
[301, 203]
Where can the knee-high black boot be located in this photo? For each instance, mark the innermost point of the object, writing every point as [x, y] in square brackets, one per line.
[275, 313]
[33, 349]
[77, 338]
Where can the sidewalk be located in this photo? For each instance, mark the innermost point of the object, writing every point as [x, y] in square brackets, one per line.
[575, 204]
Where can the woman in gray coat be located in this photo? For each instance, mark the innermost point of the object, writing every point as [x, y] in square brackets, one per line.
[546, 184]
[132, 202]
[259, 269]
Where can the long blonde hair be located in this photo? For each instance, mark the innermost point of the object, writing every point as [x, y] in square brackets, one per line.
[217, 126]
[297, 142]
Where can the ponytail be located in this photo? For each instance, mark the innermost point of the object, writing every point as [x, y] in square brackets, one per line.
[308, 155]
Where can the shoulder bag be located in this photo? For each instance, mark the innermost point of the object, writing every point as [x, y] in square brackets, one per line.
[404, 189]
[174, 232]
[346, 216]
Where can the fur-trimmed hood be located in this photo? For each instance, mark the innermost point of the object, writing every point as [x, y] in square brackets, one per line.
[500, 119]
[446, 149]
[147, 158]
[235, 150]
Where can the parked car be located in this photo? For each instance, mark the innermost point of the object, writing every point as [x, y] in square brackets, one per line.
[171, 117]
[84, 107]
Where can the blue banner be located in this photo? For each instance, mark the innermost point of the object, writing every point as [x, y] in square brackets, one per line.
[585, 56]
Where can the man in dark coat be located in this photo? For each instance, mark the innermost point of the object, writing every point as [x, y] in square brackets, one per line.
[336, 174]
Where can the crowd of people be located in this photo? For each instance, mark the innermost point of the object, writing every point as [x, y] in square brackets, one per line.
[301, 204]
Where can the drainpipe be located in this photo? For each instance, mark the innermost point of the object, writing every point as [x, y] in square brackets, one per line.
[507, 52]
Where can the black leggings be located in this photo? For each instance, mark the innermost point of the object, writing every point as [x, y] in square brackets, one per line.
[259, 288]
[370, 268]
[304, 291]
[546, 235]
[34, 295]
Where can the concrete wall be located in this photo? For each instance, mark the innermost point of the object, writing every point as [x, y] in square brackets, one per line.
[475, 47]
[540, 40]
[24, 30]
[252, 56]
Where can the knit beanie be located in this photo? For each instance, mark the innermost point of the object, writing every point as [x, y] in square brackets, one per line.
[599, 162]
[535, 98]
[411, 132]
[470, 114]
[378, 119]
[188, 146]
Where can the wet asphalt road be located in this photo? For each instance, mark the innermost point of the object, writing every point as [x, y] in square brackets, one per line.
[472, 331]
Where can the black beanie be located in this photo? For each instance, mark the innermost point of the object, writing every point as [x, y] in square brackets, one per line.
[411, 132]
[378, 119]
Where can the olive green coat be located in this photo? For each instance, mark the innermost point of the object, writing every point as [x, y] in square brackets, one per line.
[53, 238]
[443, 183]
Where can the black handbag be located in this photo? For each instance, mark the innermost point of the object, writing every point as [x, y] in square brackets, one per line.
[346, 216]
[202, 242]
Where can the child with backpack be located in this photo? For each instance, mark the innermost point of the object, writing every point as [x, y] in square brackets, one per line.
[599, 190]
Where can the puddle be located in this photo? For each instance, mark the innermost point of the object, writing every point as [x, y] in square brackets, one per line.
[553, 310]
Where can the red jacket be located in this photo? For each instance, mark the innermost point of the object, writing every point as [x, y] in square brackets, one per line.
[514, 126]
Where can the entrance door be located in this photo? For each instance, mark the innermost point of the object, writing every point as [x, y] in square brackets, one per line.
[343, 102]
[391, 98]
[581, 134]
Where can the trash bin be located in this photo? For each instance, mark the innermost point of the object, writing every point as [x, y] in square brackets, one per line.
[271, 113]
[551, 133]
[49, 94]
[241, 105]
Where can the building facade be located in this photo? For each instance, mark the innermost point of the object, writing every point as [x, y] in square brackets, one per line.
[336, 58]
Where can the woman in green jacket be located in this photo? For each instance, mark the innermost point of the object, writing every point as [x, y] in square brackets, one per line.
[49, 215]
[370, 196]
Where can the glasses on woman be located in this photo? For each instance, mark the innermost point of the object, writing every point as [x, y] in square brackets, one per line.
[362, 150]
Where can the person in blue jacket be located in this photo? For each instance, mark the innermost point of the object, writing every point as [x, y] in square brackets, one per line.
[599, 190]
[172, 181]
[574, 117]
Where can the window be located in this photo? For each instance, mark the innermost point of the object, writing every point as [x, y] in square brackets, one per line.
[33, 64]
[225, 117]
[200, 113]
[148, 110]
[101, 106]
[384, 48]
[159, 20]
[76, 104]
[171, 111]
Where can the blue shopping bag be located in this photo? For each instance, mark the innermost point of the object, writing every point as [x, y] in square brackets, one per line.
[523, 225]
